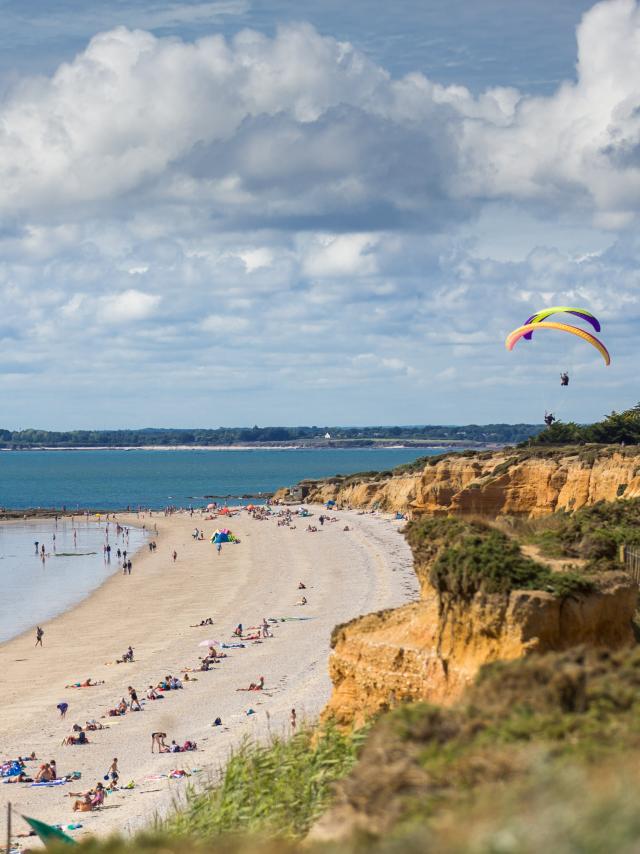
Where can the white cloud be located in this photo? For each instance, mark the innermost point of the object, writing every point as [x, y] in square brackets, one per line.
[303, 125]
[340, 255]
[282, 216]
[127, 307]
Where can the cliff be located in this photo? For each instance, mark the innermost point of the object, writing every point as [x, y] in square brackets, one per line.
[519, 482]
[482, 600]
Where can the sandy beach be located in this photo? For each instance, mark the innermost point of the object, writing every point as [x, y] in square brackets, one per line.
[347, 573]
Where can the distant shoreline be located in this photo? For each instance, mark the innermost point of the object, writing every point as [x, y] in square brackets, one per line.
[377, 446]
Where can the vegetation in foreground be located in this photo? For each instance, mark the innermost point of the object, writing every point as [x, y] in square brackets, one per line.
[273, 790]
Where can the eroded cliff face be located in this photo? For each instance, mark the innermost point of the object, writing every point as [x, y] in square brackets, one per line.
[495, 484]
[422, 652]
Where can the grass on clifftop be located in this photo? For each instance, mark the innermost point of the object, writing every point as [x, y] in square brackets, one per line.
[593, 533]
[466, 558]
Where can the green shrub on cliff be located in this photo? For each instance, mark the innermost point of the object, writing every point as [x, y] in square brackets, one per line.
[592, 533]
[616, 428]
[467, 558]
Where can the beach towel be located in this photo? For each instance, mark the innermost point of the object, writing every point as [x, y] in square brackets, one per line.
[233, 646]
[50, 783]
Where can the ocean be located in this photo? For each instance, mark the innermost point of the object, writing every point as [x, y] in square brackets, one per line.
[115, 479]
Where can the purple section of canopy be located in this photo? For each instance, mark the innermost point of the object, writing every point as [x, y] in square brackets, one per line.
[589, 318]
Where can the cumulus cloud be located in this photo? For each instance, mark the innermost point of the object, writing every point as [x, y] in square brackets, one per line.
[281, 217]
[301, 125]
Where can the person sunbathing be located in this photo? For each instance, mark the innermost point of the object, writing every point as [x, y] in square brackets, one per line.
[45, 774]
[20, 778]
[303, 601]
[91, 800]
[152, 694]
[301, 586]
[86, 684]
[93, 725]
[254, 686]
[80, 738]
[126, 656]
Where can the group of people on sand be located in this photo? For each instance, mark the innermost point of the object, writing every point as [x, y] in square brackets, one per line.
[158, 740]
[90, 800]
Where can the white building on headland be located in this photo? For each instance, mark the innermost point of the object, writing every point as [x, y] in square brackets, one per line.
[327, 435]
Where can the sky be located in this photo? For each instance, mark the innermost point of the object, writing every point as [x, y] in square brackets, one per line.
[249, 212]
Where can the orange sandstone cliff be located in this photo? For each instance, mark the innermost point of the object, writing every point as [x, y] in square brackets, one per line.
[415, 653]
[430, 650]
[517, 482]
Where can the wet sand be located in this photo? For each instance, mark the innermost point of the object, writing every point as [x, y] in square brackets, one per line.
[346, 573]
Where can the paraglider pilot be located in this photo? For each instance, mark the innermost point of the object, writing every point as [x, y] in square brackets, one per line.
[564, 378]
[549, 418]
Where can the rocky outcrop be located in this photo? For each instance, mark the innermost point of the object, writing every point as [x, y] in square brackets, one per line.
[419, 652]
[523, 483]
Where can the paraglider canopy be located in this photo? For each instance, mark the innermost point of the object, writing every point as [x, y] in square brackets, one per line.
[521, 331]
[582, 313]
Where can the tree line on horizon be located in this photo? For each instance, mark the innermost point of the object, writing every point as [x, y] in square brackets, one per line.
[488, 433]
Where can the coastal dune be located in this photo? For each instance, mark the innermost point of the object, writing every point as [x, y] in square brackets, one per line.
[347, 573]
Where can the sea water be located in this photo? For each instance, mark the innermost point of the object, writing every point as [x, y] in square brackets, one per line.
[115, 479]
[33, 590]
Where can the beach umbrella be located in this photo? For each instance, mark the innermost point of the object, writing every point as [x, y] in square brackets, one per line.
[209, 643]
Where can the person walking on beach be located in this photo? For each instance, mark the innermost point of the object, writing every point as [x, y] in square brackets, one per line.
[36, 545]
[175, 555]
[129, 565]
[113, 772]
[62, 708]
[39, 635]
[157, 738]
[133, 698]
